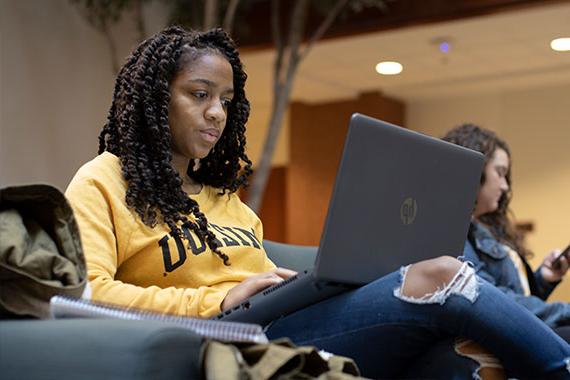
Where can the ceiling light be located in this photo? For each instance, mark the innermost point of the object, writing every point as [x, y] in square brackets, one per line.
[560, 44]
[444, 47]
[389, 68]
[443, 43]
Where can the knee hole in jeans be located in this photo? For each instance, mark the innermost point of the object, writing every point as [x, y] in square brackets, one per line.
[433, 281]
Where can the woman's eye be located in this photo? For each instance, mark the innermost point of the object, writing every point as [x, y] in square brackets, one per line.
[226, 103]
[200, 94]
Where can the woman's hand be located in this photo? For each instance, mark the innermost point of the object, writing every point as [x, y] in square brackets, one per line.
[253, 285]
[551, 274]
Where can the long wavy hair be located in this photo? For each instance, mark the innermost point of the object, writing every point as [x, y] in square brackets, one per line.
[137, 131]
[499, 221]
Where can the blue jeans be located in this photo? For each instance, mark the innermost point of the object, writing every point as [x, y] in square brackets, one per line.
[384, 332]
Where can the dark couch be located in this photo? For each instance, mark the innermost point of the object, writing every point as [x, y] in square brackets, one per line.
[119, 349]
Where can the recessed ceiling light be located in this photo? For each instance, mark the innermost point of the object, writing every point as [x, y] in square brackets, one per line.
[389, 68]
[560, 44]
[443, 44]
[444, 47]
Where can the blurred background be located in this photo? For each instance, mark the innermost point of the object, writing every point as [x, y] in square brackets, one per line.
[486, 62]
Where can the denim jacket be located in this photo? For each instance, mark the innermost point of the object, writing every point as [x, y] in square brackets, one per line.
[492, 262]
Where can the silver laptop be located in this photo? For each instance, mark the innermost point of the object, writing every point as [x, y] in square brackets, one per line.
[399, 197]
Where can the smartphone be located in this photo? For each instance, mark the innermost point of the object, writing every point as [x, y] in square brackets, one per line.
[556, 262]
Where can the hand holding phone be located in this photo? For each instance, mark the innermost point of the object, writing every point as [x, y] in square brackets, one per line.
[565, 253]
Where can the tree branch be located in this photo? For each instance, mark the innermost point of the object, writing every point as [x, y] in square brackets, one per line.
[139, 19]
[279, 48]
[325, 25]
[230, 15]
[210, 9]
[297, 27]
[105, 30]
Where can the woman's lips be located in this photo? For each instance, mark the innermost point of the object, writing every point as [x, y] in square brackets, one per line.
[210, 135]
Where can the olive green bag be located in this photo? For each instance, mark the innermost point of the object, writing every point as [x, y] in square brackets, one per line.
[40, 251]
[279, 359]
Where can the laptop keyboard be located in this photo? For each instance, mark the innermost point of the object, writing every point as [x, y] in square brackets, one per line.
[273, 288]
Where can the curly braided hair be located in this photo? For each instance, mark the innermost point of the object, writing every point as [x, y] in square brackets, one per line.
[138, 132]
[485, 141]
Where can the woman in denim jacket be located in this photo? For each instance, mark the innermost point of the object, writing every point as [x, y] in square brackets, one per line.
[494, 247]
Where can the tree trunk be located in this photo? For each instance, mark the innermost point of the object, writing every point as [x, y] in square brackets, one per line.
[283, 78]
[210, 13]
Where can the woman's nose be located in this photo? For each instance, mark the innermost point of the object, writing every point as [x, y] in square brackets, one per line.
[504, 184]
[216, 111]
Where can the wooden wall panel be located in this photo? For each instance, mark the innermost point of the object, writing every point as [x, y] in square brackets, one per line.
[273, 208]
[317, 137]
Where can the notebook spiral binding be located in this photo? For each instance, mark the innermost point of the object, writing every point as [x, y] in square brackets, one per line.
[67, 307]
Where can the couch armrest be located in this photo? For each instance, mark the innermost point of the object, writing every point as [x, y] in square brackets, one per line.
[97, 349]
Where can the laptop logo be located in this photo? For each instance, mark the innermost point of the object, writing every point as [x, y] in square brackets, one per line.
[408, 211]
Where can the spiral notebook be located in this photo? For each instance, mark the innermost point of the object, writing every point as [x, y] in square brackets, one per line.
[67, 307]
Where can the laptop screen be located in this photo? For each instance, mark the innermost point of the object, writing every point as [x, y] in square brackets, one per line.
[399, 197]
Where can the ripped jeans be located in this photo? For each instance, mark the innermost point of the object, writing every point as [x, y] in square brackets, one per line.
[385, 331]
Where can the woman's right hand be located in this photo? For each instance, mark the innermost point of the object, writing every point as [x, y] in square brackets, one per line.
[253, 285]
[549, 272]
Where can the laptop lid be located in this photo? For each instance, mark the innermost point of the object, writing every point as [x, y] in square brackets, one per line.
[399, 197]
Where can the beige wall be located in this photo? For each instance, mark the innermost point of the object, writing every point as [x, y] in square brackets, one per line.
[56, 85]
[53, 96]
[536, 124]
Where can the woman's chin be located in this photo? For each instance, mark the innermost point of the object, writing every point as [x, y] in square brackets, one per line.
[482, 211]
[198, 154]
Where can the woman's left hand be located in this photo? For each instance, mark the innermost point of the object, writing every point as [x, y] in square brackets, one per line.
[551, 274]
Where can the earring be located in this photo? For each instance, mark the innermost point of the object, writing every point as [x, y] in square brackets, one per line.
[196, 165]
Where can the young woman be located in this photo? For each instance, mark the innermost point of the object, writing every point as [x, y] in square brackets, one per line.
[163, 229]
[493, 246]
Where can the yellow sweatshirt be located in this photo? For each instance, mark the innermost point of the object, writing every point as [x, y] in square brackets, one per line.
[132, 264]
